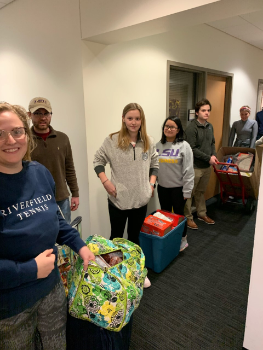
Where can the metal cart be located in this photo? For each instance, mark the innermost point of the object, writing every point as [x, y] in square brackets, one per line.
[232, 186]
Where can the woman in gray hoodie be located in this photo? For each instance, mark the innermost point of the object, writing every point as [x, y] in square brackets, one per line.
[134, 166]
[176, 170]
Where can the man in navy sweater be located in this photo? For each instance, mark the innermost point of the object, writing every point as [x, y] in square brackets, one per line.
[259, 119]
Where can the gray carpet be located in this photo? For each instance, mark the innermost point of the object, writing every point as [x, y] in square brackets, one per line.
[199, 301]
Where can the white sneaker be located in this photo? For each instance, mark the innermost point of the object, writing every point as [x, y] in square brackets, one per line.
[184, 244]
[147, 283]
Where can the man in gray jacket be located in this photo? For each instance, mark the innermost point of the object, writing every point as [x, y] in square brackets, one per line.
[200, 136]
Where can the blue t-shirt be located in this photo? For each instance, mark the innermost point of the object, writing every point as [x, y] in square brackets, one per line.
[30, 223]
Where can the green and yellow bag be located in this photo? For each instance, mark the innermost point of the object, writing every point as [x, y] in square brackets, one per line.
[107, 296]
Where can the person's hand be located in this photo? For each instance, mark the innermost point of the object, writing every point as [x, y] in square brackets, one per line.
[152, 190]
[45, 263]
[110, 188]
[213, 160]
[74, 203]
[86, 255]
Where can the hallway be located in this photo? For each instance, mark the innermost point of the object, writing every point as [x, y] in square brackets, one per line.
[200, 300]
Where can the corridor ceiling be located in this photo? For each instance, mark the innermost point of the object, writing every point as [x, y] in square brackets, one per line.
[5, 2]
[112, 21]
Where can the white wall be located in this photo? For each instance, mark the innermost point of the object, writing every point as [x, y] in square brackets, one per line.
[253, 339]
[136, 71]
[40, 55]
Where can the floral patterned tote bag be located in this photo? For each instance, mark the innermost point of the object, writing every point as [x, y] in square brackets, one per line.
[112, 287]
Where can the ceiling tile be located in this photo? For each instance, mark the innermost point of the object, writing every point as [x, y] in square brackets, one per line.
[255, 18]
[245, 32]
[248, 27]
[227, 22]
[257, 43]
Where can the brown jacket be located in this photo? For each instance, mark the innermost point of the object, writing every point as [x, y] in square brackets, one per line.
[56, 155]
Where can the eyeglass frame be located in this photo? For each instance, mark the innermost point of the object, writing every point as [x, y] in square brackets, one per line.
[167, 127]
[40, 115]
[7, 133]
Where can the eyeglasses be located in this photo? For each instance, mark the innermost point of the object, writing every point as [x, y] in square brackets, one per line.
[16, 133]
[172, 128]
[39, 115]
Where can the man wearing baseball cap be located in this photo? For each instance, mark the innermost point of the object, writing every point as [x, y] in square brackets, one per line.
[53, 150]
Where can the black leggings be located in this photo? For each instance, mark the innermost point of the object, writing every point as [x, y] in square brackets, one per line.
[118, 220]
[172, 198]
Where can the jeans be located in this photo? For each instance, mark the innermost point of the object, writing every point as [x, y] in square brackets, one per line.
[65, 208]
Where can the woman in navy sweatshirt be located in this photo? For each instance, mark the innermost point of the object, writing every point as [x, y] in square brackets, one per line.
[32, 298]
[176, 170]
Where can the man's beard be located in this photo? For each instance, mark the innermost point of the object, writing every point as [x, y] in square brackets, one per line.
[41, 127]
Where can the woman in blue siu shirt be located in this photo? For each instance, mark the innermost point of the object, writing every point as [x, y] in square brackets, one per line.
[176, 170]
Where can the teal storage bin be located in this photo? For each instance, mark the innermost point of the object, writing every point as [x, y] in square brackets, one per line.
[160, 251]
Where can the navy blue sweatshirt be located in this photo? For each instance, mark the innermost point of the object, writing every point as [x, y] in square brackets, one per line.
[259, 119]
[30, 223]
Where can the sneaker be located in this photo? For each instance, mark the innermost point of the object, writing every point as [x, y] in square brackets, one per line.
[191, 224]
[147, 283]
[184, 244]
[206, 219]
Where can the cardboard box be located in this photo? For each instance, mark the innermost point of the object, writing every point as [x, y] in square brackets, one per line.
[250, 180]
[155, 226]
[176, 218]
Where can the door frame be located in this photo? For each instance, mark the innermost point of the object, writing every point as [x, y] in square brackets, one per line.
[201, 90]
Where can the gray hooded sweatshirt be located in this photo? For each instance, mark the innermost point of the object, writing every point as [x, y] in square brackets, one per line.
[176, 168]
[130, 171]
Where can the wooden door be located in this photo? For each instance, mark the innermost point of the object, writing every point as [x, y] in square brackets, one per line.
[215, 93]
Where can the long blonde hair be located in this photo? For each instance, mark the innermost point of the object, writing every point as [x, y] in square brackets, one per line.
[22, 115]
[123, 138]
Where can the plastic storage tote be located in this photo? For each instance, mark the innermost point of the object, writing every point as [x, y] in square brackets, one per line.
[160, 251]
